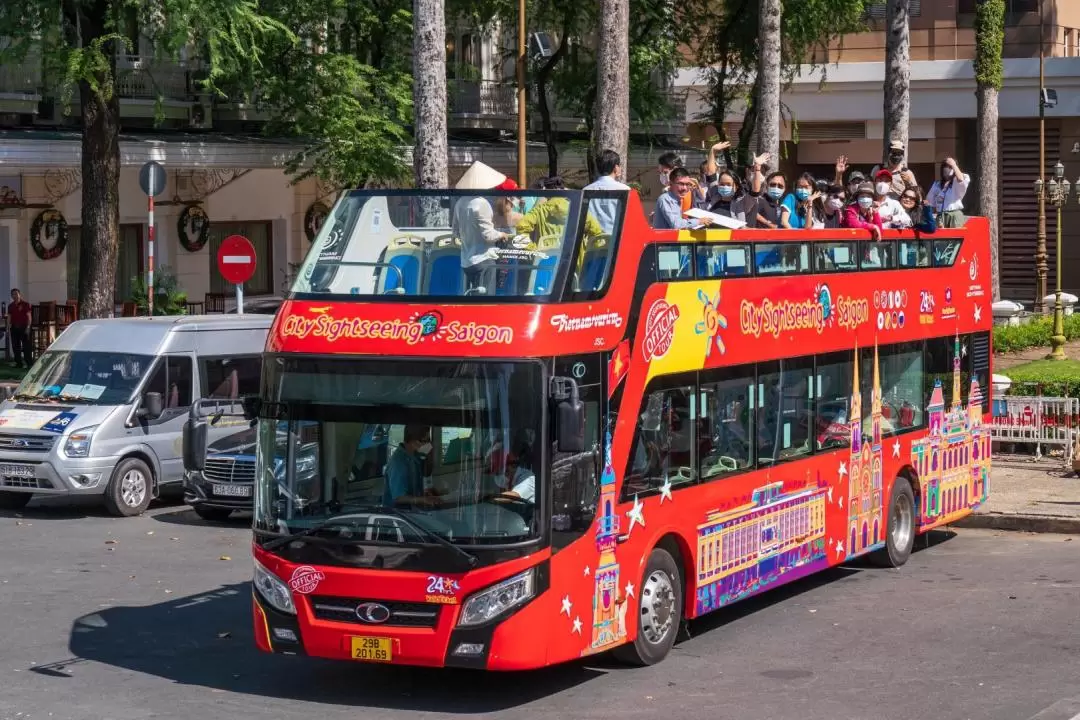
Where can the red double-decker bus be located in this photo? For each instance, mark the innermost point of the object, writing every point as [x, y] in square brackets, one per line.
[576, 438]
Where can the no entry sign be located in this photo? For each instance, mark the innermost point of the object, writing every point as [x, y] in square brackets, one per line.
[236, 259]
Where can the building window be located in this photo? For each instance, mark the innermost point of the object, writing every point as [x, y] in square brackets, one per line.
[261, 237]
[129, 261]
[1011, 6]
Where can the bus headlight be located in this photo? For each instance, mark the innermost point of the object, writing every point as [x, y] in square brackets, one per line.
[488, 604]
[273, 590]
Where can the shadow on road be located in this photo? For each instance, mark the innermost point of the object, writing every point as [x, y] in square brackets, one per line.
[206, 641]
[59, 507]
[186, 516]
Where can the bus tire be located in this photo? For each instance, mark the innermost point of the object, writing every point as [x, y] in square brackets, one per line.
[131, 488]
[900, 527]
[660, 611]
[14, 500]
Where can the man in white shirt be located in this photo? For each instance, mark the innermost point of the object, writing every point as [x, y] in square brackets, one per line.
[605, 209]
[889, 210]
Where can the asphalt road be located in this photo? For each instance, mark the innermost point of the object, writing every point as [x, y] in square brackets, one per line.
[149, 618]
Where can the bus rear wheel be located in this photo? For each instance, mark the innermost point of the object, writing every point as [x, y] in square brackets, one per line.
[900, 527]
[660, 612]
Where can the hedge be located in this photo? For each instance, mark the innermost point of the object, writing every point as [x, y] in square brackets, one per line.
[1037, 333]
[1053, 378]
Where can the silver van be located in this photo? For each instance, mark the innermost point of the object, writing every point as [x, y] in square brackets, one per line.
[102, 411]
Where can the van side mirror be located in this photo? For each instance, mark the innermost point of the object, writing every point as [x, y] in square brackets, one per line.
[194, 445]
[569, 415]
[153, 404]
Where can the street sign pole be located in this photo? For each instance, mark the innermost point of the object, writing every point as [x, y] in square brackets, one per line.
[152, 182]
[240, 298]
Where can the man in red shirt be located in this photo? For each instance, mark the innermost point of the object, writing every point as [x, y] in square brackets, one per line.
[19, 324]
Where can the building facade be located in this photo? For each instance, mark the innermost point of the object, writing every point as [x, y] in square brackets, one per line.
[837, 110]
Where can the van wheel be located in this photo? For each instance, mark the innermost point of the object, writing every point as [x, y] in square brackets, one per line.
[128, 492]
[659, 612]
[900, 528]
[213, 514]
[14, 500]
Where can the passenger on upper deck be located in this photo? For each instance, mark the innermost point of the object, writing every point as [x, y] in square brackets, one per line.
[861, 213]
[728, 199]
[772, 212]
[604, 210]
[473, 222]
[885, 205]
[670, 205]
[946, 195]
[900, 176]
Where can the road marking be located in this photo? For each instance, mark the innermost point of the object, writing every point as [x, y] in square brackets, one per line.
[1067, 709]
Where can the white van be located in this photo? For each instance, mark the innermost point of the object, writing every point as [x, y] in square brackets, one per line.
[103, 409]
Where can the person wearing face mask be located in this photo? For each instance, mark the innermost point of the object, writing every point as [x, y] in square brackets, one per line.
[405, 469]
[861, 214]
[946, 196]
[664, 166]
[831, 214]
[886, 206]
[901, 177]
[855, 180]
[726, 198]
[772, 212]
[801, 204]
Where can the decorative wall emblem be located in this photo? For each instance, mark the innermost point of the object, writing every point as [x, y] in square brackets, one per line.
[49, 234]
[193, 228]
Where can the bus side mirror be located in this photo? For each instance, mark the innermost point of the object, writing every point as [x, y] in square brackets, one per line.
[569, 416]
[195, 445]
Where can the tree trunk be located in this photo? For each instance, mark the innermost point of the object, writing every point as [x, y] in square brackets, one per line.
[897, 74]
[547, 130]
[100, 200]
[429, 94]
[986, 170]
[613, 80]
[768, 104]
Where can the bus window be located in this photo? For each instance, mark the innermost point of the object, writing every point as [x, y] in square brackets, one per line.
[835, 386]
[946, 251]
[901, 369]
[785, 413]
[662, 449]
[878, 255]
[914, 253]
[723, 261]
[726, 424]
[673, 262]
[575, 479]
[836, 256]
[782, 258]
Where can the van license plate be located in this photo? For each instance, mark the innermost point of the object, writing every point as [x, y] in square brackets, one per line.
[372, 649]
[232, 490]
[22, 471]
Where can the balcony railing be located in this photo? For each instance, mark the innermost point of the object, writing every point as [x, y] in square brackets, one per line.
[482, 98]
[141, 78]
[23, 78]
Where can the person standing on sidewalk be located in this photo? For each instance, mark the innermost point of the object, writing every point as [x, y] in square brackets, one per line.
[19, 322]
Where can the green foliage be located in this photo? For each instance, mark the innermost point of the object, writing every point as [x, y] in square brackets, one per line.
[169, 299]
[1035, 334]
[989, 43]
[728, 47]
[1054, 378]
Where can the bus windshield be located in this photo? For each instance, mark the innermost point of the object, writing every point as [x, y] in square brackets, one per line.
[505, 244]
[390, 451]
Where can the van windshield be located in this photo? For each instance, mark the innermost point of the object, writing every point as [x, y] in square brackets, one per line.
[94, 378]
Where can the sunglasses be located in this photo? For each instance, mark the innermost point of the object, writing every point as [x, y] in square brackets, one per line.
[912, 198]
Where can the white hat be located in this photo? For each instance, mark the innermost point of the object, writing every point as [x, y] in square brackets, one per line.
[480, 177]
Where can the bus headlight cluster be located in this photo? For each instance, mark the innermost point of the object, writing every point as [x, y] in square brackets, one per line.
[273, 590]
[489, 604]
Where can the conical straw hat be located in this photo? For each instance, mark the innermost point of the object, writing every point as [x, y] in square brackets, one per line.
[480, 177]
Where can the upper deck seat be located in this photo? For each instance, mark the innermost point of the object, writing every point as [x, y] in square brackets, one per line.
[443, 275]
[543, 272]
[405, 253]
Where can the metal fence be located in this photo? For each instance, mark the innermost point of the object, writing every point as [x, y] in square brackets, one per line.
[1038, 420]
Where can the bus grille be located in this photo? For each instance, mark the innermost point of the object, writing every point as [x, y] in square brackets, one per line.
[229, 469]
[402, 614]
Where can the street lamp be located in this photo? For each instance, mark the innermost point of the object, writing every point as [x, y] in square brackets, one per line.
[1056, 192]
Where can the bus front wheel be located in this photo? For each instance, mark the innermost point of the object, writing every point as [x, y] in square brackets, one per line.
[660, 611]
[900, 527]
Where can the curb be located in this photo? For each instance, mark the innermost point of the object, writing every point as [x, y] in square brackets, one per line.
[1021, 523]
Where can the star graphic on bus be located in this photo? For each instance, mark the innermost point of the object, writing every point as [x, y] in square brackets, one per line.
[636, 515]
[665, 492]
[896, 449]
[577, 625]
[566, 605]
[712, 322]
[978, 313]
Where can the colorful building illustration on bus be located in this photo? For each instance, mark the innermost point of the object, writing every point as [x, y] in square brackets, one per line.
[746, 549]
[864, 467]
[953, 460]
[608, 626]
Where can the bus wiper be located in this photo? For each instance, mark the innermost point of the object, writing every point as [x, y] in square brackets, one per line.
[286, 539]
[469, 558]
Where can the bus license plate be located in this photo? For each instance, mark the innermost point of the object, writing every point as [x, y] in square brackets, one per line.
[232, 490]
[372, 649]
[20, 471]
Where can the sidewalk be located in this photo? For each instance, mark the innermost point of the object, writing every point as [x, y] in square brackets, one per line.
[1031, 496]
